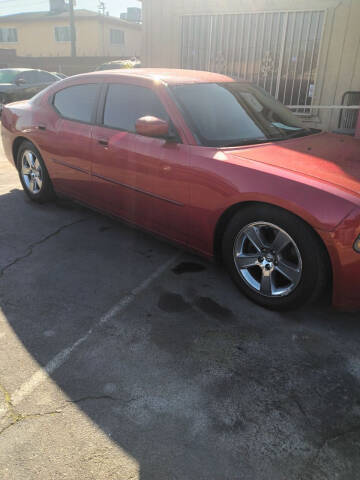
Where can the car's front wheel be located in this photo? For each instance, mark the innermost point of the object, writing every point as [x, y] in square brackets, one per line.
[3, 99]
[33, 173]
[274, 257]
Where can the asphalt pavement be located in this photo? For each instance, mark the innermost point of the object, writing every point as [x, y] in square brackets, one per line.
[123, 357]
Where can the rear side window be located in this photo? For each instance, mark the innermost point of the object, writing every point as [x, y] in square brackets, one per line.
[46, 77]
[30, 76]
[77, 102]
[127, 103]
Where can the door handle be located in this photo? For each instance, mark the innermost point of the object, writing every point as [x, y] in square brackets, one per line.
[41, 127]
[105, 143]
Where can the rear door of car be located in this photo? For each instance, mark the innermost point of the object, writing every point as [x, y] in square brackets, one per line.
[69, 141]
[29, 85]
[140, 178]
[33, 82]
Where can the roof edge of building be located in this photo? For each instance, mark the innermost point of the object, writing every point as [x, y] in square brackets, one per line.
[79, 15]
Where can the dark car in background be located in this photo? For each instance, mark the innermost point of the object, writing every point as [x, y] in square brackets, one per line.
[22, 83]
[120, 64]
[60, 75]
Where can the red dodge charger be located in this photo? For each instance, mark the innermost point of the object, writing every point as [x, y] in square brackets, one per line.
[213, 164]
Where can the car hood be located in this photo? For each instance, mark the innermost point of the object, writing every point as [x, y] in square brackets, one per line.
[325, 156]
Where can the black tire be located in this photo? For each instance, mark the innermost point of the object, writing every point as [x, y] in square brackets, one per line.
[3, 99]
[45, 193]
[313, 264]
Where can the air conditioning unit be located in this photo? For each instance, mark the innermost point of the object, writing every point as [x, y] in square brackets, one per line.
[58, 6]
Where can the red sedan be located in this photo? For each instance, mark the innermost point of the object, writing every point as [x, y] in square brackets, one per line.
[210, 163]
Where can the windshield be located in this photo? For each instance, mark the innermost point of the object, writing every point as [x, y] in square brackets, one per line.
[230, 114]
[7, 76]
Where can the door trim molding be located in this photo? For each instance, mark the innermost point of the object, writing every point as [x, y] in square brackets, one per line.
[65, 164]
[130, 187]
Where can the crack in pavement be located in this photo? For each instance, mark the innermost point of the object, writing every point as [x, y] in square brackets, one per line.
[15, 416]
[20, 417]
[101, 397]
[39, 242]
[302, 411]
[93, 397]
[8, 403]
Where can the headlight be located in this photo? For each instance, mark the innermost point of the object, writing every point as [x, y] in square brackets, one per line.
[357, 244]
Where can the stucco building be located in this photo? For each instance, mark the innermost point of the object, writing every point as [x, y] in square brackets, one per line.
[303, 52]
[47, 34]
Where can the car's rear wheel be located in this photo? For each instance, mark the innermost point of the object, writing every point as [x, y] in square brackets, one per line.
[33, 174]
[274, 257]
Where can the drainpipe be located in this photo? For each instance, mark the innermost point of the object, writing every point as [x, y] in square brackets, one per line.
[72, 28]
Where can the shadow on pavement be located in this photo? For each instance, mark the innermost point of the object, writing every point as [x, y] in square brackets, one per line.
[192, 380]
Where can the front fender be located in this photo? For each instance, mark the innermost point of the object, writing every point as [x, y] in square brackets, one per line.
[345, 261]
[217, 186]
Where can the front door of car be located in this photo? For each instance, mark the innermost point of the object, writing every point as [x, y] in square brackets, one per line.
[45, 79]
[140, 178]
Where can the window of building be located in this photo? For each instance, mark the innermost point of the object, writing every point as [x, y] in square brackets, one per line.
[8, 35]
[62, 34]
[127, 103]
[117, 37]
[77, 102]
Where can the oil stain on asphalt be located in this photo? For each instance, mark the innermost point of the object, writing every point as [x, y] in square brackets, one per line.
[173, 303]
[212, 308]
[188, 267]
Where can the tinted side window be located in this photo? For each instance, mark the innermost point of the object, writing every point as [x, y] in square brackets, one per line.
[126, 103]
[77, 102]
[30, 77]
[45, 77]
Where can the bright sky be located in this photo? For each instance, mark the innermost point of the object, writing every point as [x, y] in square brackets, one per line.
[115, 7]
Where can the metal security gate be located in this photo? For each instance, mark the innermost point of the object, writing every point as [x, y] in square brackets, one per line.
[278, 51]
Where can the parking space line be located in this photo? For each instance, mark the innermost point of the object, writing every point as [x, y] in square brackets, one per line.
[43, 373]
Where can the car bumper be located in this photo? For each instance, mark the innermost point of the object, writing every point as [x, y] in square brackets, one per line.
[7, 141]
[345, 262]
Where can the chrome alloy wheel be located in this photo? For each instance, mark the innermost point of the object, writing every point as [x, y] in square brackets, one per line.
[31, 172]
[267, 259]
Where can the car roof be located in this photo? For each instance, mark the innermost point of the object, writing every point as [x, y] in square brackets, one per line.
[17, 69]
[24, 69]
[166, 75]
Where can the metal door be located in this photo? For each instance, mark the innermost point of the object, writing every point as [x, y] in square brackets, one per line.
[278, 51]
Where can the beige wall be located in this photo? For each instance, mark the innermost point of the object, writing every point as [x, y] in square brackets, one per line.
[133, 40]
[37, 38]
[339, 60]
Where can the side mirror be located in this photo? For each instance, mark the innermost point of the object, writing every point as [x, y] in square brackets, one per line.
[20, 81]
[152, 127]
